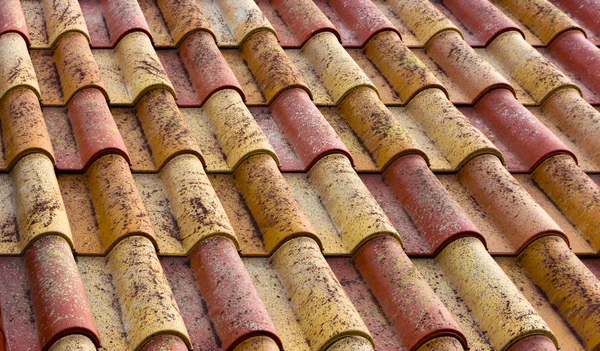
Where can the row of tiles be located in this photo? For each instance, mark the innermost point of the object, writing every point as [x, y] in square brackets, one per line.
[214, 300]
[259, 208]
[499, 65]
[354, 23]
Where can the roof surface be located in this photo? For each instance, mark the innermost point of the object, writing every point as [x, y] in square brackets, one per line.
[298, 175]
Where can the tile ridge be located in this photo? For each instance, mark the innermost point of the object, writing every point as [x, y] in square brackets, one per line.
[57, 293]
[355, 212]
[305, 127]
[226, 283]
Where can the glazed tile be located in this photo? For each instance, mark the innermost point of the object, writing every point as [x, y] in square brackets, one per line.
[355, 212]
[59, 300]
[234, 307]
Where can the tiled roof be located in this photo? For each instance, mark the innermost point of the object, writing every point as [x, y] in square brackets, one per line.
[302, 175]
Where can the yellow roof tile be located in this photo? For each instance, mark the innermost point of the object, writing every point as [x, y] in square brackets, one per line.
[355, 212]
[183, 18]
[355, 343]
[40, 209]
[244, 18]
[73, 342]
[148, 307]
[443, 343]
[339, 73]
[16, 69]
[325, 311]
[257, 343]
[63, 16]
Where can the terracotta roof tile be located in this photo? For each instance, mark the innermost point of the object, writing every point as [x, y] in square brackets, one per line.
[74, 342]
[16, 68]
[122, 18]
[12, 19]
[583, 15]
[302, 19]
[63, 17]
[183, 18]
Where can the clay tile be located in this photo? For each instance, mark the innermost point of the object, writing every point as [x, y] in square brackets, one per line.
[276, 211]
[62, 17]
[380, 131]
[194, 202]
[404, 295]
[16, 69]
[576, 118]
[405, 72]
[579, 55]
[94, 128]
[59, 300]
[423, 19]
[236, 129]
[364, 18]
[507, 203]
[529, 138]
[470, 71]
[73, 342]
[165, 343]
[544, 19]
[568, 284]
[257, 343]
[304, 19]
[585, 11]
[439, 218]
[39, 204]
[119, 209]
[270, 65]
[76, 66]
[482, 18]
[338, 71]
[528, 67]
[489, 293]
[165, 128]
[234, 306]
[442, 344]
[574, 192]
[305, 128]
[184, 17]
[148, 308]
[325, 312]
[533, 343]
[452, 133]
[354, 343]
[141, 66]
[12, 19]
[355, 212]
[244, 18]
[23, 126]
[123, 17]
[207, 67]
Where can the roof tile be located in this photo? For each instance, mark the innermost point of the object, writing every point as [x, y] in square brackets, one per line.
[337, 70]
[354, 210]
[444, 343]
[257, 343]
[148, 307]
[508, 205]
[76, 66]
[59, 300]
[234, 306]
[305, 128]
[273, 70]
[94, 128]
[303, 18]
[404, 294]
[268, 196]
[194, 203]
[490, 294]
[315, 291]
[184, 18]
[73, 342]
[119, 209]
[407, 74]
[165, 343]
[206, 66]
[237, 132]
[533, 343]
[12, 19]
[122, 18]
[356, 343]
[583, 12]
[253, 19]
[381, 132]
[16, 69]
[470, 71]
[569, 285]
[23, 126]
[62, 17]
[39, 206]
